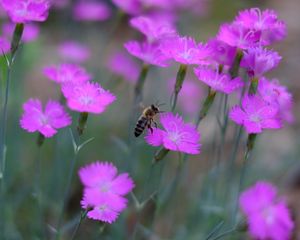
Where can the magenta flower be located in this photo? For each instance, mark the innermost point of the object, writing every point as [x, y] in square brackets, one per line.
[74, 51]
[259, 60]
[274, 92]
[124, 66]
[220, 82]
[67, 73]
[104, 190]
[132, 7]
[176, 136]
[4, 45]
[60, 4]
[46, 122]
[91, 11]
[22, 11]
[154, 30]
[87, 97]
[30, 33]
[266, 22]
[185, 50]
[268, 216]
[236, 35]
[147, 52]
[221, 52]
[256, 114]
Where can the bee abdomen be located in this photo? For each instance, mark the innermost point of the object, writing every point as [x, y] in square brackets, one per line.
[140, 126]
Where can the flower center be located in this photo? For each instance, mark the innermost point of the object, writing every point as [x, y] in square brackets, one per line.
[255, 118]
[44, 119]
[268, 215]
[86, 100]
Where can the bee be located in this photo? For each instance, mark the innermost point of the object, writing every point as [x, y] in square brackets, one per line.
[146, 120]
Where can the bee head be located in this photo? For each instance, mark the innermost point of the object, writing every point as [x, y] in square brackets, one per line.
[154, 108]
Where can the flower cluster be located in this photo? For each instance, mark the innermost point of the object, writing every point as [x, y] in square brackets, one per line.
[91, 11]
[104, 191]
[268, 216]
[176, 136]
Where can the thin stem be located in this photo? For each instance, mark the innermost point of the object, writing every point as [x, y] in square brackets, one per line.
[68, 188]
[178, 84]
[37, 192]
[14, 47]
[138, 89]
[215, 230]
[234, 70]
[253, 86]
[81, 218]
[206, 105]
[82, 122]
[225, 233]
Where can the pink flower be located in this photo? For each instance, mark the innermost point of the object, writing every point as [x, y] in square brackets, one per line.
[46, 122]
[87, 97]
[222, 53]
[185, 50]
[67, 73]
[60, 4]
[132, 7]
[154, 30]
[30, 33]
[124, 66]
[4, 46]
[236, 35]
[74, 51]
[176, 136]
[256, 114]
[259, 60]
[149, 53]
[104, 190]
[221, 82]
[274, 92]
[91, 11]
[22, 11]
[268, 217]
[266, 22]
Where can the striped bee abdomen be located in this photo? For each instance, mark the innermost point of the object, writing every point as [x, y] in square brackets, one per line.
[140, 126]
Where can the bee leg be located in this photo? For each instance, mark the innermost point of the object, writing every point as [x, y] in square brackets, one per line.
[149, 127]
[155, 124]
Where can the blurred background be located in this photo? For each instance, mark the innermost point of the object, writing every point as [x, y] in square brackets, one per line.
[188, 199]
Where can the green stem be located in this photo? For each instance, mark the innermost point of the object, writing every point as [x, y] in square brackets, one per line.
[224, 234]
[14, 47]
[253, 86]
[67, 192]
[82, 217]
[160, 154]
[82, 122]
[234, 70]
[206, 105]
[178, 84]
[138, 90]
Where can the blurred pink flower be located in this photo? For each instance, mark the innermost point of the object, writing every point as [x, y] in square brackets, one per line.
[154, 30]
[46, 122]
[266, 22]
[259, 60]
[256, 114]
[4, 45]
[147, 52]
[185, 50]
[268, 217]
[60, 4]
[221, 52]
[236, 35]
[30, 33]
[220, 82]
[132, 7]
[74, 51]
[274, 92]
[176, 136]
[87, 97]
[67, 73]
[122, 64]
[104, 190]
[190, 96]
[22, 11]
[91, 11]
